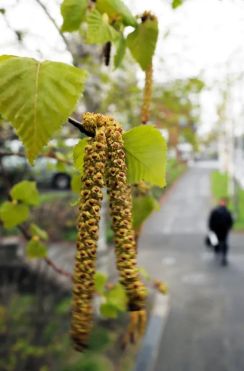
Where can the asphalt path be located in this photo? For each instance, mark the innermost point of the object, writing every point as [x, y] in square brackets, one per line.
[205, 328]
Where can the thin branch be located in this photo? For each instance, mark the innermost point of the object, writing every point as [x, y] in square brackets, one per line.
[57, 269]
[80, 127]
[57, 28]
[47, 260]
[26, 234]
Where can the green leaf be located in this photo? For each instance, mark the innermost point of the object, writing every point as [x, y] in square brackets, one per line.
[36, 249]
[99, 339]
[117, 297]
[78, 154]
[100, 281]
[176, 3]
[64, 306]
[73, 12]
[37, 97]
[26, 192]
[116, 9]
[35, 230]
[108, 310]
[13, 214]
[99, 31]
[90, 362]
[120, 52]
[143, 206]
[145, 155]
[76, 183]
[142, 42]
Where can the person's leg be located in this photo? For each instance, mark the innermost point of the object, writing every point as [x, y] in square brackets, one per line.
[217, 249]
[224, 251]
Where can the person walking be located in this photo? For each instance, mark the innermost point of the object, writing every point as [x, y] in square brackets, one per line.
[220, 222]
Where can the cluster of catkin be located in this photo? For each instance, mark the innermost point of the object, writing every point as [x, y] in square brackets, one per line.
[147, 93]
[104, 165]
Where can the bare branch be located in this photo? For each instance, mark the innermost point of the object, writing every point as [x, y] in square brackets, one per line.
[57, 28]
[57, 269]
[47, 260]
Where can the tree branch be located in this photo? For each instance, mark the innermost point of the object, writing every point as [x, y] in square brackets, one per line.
[57, 269]
[47, 260]
[78, 125]
[57, 28]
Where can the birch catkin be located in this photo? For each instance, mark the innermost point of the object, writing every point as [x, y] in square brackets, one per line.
[104, 163]
[121, 212]
[90, 206]
[147, 95]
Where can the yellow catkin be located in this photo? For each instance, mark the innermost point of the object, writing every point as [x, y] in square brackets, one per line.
[121, 212]
[85, 264]
[104, 159]
[147, 95]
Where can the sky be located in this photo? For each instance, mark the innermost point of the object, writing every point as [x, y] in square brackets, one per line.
[201, 38]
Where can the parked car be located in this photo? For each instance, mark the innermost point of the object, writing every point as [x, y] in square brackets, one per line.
[44, 172]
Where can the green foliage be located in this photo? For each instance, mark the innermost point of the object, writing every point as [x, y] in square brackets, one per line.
[108, 310]
[64, 306]
[91, 363]
[13, 214]
[26, 192]
[99, 339]
[116, 296]
[115, 302]
[35, 230]
[76, 183]
[120, 51]
[73, 12]
[78, 154]
[36, 249]
[219, 184]
[36, 100]
[142, 42]
[219, 187]
[116, 9]
[176, 3]
[100, 281]
[99, 30]
[143, 206]
[145, 155]
[239, 223]
[174, 169]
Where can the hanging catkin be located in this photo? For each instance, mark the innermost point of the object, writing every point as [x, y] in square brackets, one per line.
[121, 212]
[85, 260]
[104, 159]
[147, 95]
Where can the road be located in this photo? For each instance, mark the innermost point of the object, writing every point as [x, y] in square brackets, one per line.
[205, 328]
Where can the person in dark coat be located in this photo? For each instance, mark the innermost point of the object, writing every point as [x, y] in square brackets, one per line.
[221, 222]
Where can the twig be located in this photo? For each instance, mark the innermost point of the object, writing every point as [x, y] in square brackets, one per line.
[57, 269]
[57, 28]
[47, 260]
[80, 127]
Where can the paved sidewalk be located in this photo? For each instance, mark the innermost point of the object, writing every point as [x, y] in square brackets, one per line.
[205, 329]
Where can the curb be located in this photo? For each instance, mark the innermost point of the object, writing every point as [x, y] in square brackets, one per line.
[149, 350]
